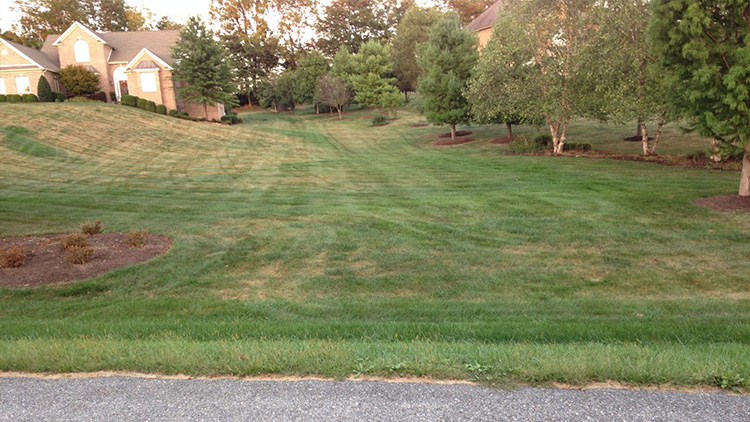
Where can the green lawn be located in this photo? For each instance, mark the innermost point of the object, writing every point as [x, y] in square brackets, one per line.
[307, 245]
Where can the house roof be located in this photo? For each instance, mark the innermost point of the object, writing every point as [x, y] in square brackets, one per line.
[35, 56]
[126, 45]
[486, 19]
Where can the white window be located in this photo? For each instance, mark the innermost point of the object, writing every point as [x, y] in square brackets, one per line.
[23, 86]
[2, 86]
[148, 82]
[81, 49]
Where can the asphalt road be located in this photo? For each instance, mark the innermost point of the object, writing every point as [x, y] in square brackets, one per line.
[136, 399]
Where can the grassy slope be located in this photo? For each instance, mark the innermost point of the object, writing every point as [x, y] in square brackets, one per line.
[307, 245]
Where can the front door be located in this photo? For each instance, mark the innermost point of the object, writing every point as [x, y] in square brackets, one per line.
[121, 82]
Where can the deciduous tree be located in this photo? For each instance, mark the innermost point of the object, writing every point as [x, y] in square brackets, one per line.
[447, 60]
[411, 31]
[467, 10]
[334, 92]
[78, 80]
[312, 65]
[704, 47]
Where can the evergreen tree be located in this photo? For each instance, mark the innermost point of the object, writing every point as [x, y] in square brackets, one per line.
[343, 64]
[446, 61]
[201, 67]
[311, 66]
[371, 85]
[44, 91]
[704, 46]
[411, 31]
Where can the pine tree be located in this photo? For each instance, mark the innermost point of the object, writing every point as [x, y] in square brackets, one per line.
[201, 67]
[411, 31]
[704, 46]
[372, 86]
[446, 61]
[43, 91]
[311, 66]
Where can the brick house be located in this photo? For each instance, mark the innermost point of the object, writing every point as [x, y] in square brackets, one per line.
[483, 24]
[137, 63]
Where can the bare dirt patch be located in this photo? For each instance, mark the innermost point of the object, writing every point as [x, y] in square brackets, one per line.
[458, 134]
[46, 264]
[729, 204]
[457, 141]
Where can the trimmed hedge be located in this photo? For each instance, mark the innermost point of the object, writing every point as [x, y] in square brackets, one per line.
[59, 96]
[161, 109]
[141, 102]
[129, 100]
[150, 106]
[3, 98]
[30, 98]
[15, 98]
[578, 146]
[174, 113]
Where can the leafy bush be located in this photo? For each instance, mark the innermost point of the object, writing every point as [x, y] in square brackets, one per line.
[150, 106]
[129, 100]
[136, 238]
[44, 90]
[580, 146]
[12, 257]
[141, 102]
[59, 96]
[3, 98]
[79, 81]
[379, 120]
[543, 141]
[30, 98]
[15, 98]
[226, 118]
[91, 227]
[161, 109]
[174, 113]
[523, 145]
[74, 240]
[79, 255]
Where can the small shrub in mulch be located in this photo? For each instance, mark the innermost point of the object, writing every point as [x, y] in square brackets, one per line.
[74, 240]
[459, 133]
[729, 204]
[523, 145]
[136, 238]
[12, 257]
[457, 141]
[379, 121]
[78, 255]
[90, 228]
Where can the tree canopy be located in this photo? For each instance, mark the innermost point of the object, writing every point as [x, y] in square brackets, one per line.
[372, 86]
[410, 32]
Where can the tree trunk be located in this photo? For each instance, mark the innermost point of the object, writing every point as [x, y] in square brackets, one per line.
[553, 133]
[510, 130]
[317, 108]
[644, 138]
[659, 127]
[205, 108]
[339, 110]
[745, 177]
[561, 141]
[406, 97]
[638, 131]
[453, 132]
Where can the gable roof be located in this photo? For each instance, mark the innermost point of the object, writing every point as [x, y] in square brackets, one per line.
[35, 57]
[126, 45]
[143, 52]
[82, 26]
[486, 19]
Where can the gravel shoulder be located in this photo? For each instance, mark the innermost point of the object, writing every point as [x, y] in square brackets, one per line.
[140, 399]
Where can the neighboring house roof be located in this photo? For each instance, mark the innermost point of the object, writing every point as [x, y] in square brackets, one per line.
[486, 19]
[36, 57]
[126, 45]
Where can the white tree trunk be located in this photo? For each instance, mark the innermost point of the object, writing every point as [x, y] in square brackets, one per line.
[553, 133]
[644, 138]
[658, 134]
[561, 142]
[745, 176]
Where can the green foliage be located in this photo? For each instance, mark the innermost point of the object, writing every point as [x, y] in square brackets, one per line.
[370, 82]
[14, 98]
[578, 146]
[379, 120]
[413, 30]
[310, 67]
[161, 109]
[200, 63]
[129, 100]
[141, 103]
[523, 145]
[343, 66]
[3, 98]
[334, 92]
[704, 48]
[78, 80]
[446, 61]
[60, 97]
[30, 98]
[174, 113]
[279, 92]
[150, 106]
[44, 91]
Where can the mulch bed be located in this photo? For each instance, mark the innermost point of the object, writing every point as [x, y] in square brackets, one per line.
[420, 125]
[729, 204]
[505, 140]
[458, 133]
[665, 160]
[457, 141]
[637, 139]
[45, 260]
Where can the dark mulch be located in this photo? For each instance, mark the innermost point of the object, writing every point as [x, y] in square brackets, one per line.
[665, 160]
[458, 133]
[457, 141]
[505, 140]
[45, 262]
[637, 139]
[421, 125]
[729, 204]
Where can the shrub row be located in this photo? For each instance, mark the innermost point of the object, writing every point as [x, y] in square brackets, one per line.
[522, 145]
[143, 104]
[231, 119]
[15, 98]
